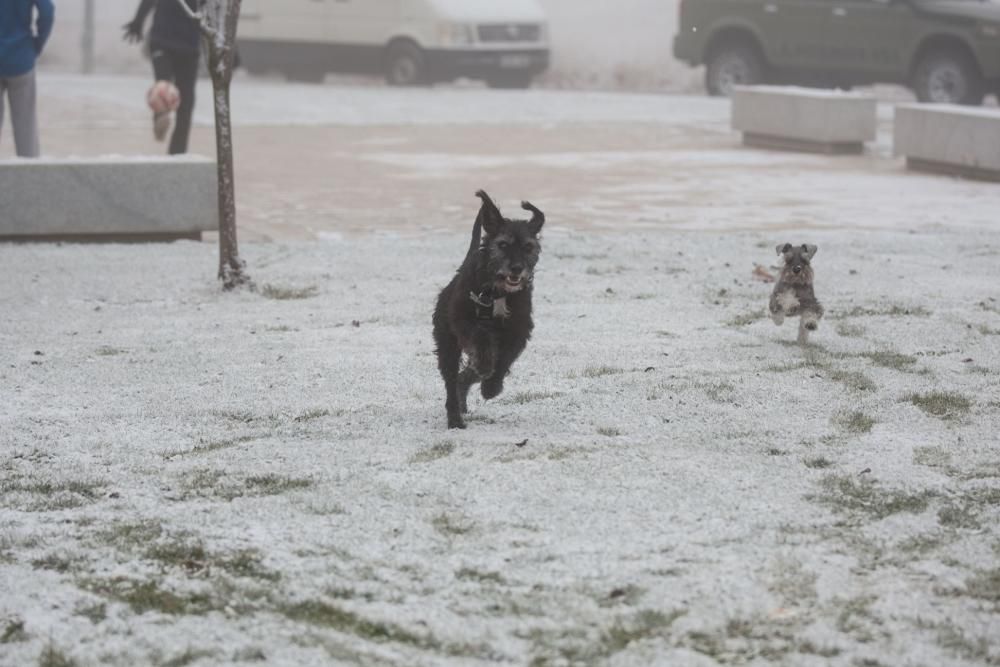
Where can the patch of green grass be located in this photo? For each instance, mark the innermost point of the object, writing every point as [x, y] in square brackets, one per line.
[472, 574]
[984, 585]
[434, 452]
[601, 371]
[608, 431]
[774, 451]
[205, 447]
[918, 545]
[13, 632]
[57, 562]
[280, 293]
[452, 525]
[144, 596]
[576, 647]
[52, 656]
[857, 619]
[818, 463]
[315, 413]
[941, 404]
[987, 331]
[131, 534]
[890, 359]
[893, 310]
[746, 319]
[95, 613]
[853, 380]
[720, 392]
[857, 422]
[954, 639]
[54, 495]
[931, 456]
[214, 483]
[108, 351]
[524, 397]
[326, 615]
[846, 330]
[186, 658]
[190, 555]
[847, 495]
[958, 516]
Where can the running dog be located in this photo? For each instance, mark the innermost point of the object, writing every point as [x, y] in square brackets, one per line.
[793, 294]
[485, 311]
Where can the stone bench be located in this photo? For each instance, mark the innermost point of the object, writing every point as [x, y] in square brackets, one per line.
[938, 138]
[108, 199]
[804, 119]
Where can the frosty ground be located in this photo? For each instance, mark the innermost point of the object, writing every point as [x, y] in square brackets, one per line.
[197, 478]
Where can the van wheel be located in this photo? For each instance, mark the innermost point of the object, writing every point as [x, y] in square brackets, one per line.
[405, 65]
[732, 65]
[948, 77]
[510, 80]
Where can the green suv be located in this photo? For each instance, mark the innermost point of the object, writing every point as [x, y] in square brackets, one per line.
[947, 51]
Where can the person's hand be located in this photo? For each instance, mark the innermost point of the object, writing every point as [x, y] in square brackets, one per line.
[133, 32]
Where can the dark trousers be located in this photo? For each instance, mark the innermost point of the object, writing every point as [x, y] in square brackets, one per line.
[181, 67]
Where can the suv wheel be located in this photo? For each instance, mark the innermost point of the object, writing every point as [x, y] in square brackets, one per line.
[732, 65]
[404, 65]
[948, 78]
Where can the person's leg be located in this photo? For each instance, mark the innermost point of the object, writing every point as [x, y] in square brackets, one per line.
[163, 70]
[186, 73]
[22, 96]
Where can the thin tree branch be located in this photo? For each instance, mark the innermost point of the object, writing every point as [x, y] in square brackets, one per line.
[199, 18]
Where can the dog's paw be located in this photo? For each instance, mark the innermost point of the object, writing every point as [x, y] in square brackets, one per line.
[456, 422]
[491, 388]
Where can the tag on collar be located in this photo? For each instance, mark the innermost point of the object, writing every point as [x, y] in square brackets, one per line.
[500, 308]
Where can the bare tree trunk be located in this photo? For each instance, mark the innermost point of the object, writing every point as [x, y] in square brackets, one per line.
[232, 269]
[218, 20]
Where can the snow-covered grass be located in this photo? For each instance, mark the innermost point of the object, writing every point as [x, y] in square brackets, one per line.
[196, 478]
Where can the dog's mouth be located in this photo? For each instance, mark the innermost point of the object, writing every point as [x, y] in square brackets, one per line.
[511, 283]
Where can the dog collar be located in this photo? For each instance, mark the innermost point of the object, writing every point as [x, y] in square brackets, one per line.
[489, 307]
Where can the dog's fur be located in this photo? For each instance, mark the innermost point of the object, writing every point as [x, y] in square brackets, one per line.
[485, 311]
[793, 294]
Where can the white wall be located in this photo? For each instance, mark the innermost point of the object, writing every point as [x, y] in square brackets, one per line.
[595, 43]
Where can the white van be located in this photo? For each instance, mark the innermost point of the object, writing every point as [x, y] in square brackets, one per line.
[410, 42]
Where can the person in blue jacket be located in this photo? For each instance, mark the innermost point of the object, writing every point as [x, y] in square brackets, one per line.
[22, 37]
[175, 47]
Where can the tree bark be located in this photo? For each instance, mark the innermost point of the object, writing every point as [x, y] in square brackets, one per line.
[218, 20]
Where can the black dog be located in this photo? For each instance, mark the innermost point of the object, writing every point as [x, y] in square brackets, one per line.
[485, 311]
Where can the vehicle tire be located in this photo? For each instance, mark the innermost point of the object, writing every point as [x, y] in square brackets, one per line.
[948, 77]
[405, 65]
[731, 65]
[510, 80]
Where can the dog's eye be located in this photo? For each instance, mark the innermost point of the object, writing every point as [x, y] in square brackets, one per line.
[503, 245]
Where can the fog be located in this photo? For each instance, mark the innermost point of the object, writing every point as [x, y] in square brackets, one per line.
[623, 45]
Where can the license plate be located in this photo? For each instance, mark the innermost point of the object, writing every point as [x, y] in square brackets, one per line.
[515, 61]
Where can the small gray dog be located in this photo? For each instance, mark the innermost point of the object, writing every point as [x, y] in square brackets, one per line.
[793, 294]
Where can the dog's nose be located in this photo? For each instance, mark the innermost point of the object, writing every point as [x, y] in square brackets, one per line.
[516, 270]
[796, 269]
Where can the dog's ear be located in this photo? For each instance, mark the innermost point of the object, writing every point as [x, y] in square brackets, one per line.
[537, 218]
[783, 248]
[489, 215]
[809, 250]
